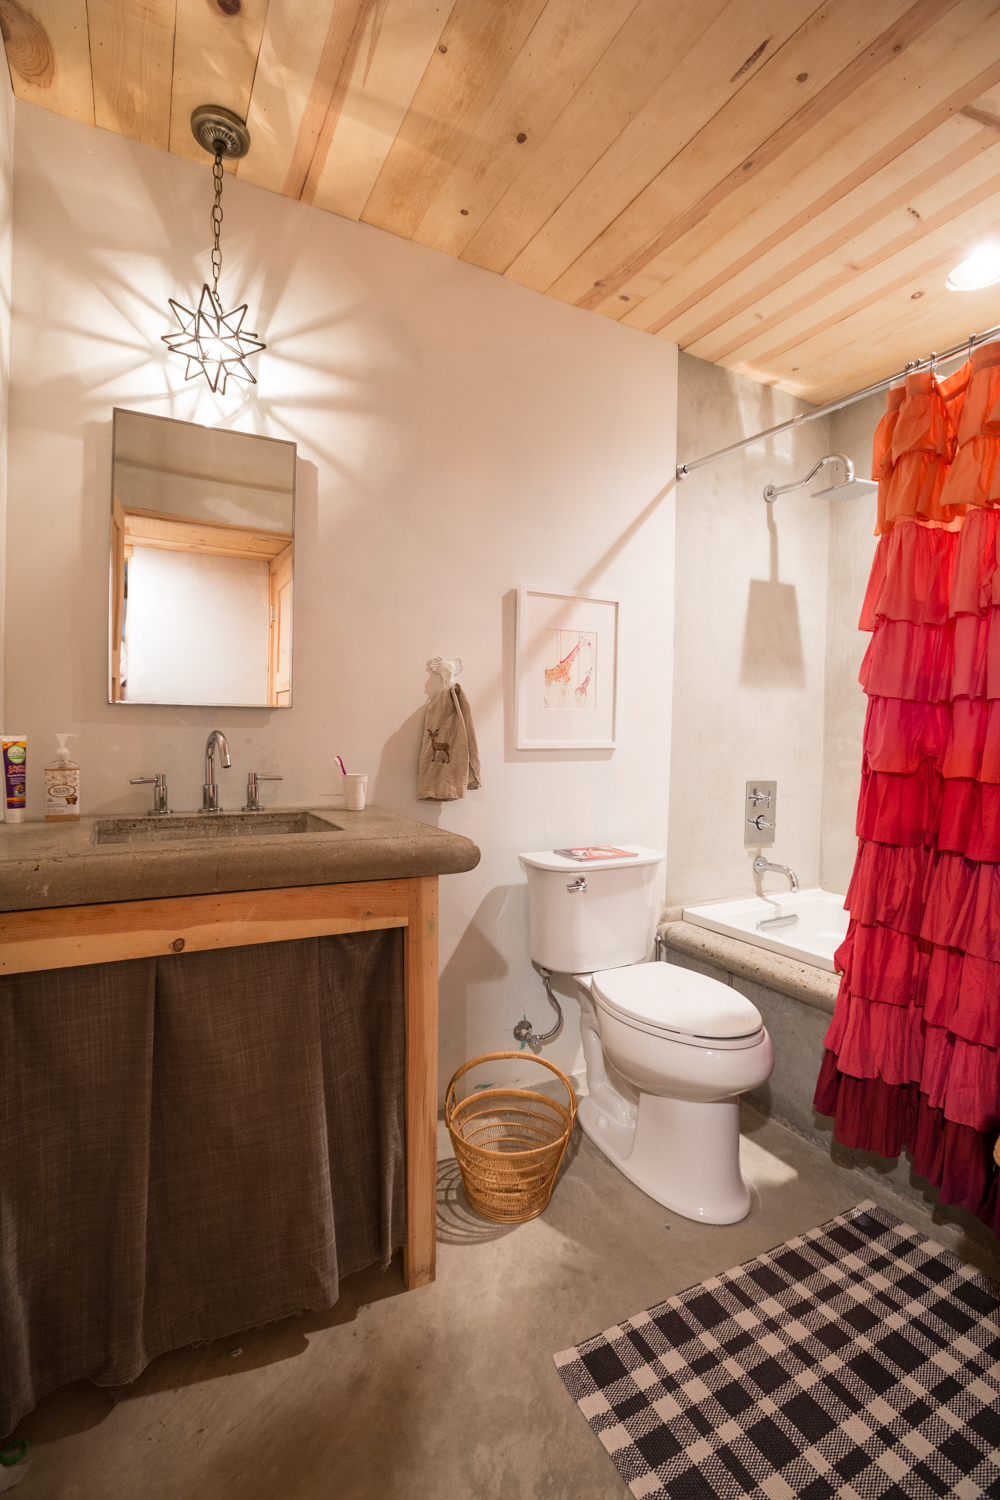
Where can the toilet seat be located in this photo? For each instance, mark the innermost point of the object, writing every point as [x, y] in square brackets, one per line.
[666, 1000]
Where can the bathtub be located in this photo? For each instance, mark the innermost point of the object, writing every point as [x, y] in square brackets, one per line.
[819, 929]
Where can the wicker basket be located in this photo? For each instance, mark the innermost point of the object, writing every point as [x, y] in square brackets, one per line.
[509, 1143]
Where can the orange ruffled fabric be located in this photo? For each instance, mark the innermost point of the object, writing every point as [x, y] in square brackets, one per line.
[913, 1051]
[916, 451]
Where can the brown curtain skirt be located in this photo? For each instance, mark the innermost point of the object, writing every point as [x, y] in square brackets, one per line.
[190, 1146]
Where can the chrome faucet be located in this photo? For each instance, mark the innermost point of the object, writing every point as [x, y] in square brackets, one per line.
[761, 866]
[210, 791]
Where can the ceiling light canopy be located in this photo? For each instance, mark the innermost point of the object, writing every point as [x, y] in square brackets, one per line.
[981, 269]
[213, 341]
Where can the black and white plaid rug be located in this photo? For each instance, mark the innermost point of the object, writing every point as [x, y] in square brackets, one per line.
[859, 1360]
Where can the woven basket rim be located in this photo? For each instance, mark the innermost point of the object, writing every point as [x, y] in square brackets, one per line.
[450, 1104]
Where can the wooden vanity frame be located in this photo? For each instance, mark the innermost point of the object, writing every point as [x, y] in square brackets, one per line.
[62, 937]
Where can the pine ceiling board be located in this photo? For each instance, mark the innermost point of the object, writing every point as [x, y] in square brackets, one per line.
[930, 261]
[48, 52]
[898, 230]
[477, 50]
[131, 55]
[291, 51]
[777, 260]
[879, 344]
[215, 57]
[878, 341]
[906, 102]
[665, 311]
[839, 50]
[871, 248]
[641, 56]
[385, 77]
[353, 25]
[566, 43]
[724, 63]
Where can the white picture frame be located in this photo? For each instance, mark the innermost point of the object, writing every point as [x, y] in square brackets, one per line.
[565, 671]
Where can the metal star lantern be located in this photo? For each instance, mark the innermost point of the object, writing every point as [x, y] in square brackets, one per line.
[213, 341]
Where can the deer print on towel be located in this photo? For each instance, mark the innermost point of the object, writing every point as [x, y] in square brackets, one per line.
[441, 750]
[570, 669]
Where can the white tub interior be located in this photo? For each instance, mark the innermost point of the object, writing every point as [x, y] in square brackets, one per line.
[819, 929]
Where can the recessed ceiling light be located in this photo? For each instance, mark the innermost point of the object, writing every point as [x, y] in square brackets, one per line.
[981, 269]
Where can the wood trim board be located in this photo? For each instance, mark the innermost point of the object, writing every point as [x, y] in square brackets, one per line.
[68, 936]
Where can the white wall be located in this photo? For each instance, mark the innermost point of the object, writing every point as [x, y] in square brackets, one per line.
[750, 638]
[6, 248]
[458, 435]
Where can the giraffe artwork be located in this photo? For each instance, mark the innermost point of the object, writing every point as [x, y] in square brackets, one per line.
[571, 669]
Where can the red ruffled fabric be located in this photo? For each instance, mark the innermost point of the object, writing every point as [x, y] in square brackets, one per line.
[913, 1051]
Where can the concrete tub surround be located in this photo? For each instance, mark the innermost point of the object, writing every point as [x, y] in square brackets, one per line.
[725, 955]
[51, 864]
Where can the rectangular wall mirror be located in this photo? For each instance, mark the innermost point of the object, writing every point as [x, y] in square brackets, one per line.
[202, 546]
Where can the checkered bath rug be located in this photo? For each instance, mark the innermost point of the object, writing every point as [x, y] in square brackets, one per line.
[859, 1360]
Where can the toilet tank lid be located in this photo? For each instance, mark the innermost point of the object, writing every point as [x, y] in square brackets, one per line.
[678, 1000]
[548, 859]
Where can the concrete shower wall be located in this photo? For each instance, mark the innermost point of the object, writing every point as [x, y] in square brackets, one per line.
[767, 649]
[458, 435]
[852, 547]
[750, 637]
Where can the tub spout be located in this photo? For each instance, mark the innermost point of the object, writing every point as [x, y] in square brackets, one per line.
[761, 866]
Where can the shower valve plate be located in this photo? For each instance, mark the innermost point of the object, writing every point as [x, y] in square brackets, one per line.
[759, 814]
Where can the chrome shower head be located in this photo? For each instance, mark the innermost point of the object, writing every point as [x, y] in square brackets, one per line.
[849, 490]
[844, 491]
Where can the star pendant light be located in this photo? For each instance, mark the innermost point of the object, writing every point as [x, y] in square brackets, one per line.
[213, 341]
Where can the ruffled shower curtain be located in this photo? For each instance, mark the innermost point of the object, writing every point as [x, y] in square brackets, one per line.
[913, 1051]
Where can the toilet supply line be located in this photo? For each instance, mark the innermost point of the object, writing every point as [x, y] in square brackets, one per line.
[524, 1031]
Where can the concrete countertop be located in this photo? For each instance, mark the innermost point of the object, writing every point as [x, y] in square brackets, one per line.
[61, 864]
[789, 976]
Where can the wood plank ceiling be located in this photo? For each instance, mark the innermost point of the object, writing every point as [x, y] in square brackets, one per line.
[781, 186]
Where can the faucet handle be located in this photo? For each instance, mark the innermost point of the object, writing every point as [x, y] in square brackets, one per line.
[159, 781]
[253, 795]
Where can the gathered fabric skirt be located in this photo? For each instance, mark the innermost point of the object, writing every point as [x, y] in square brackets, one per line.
[191, 1146]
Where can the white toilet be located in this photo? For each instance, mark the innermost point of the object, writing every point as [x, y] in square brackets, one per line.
[681, 1047]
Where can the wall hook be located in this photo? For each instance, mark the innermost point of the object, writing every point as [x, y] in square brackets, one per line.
[448, 671]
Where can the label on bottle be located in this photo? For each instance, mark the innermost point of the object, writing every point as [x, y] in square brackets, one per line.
[62, 792]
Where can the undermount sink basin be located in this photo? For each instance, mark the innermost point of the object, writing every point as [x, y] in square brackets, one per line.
[194, 826]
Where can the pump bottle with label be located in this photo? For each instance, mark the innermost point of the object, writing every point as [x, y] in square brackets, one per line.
[62, 785]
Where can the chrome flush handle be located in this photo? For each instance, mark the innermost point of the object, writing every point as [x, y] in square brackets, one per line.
[579, 884]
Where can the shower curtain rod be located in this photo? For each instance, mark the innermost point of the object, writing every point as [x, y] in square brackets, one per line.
[683, 470]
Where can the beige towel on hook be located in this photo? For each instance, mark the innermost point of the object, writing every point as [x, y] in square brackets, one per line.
[449, 755]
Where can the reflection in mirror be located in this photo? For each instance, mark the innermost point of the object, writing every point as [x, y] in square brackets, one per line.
[202, 544]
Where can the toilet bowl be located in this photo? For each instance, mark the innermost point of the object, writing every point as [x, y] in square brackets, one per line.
[668, 1051]
[689, 1046]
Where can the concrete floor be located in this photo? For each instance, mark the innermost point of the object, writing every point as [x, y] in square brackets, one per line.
[449, 1392]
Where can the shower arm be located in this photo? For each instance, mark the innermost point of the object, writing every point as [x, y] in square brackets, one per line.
[771, 492]
[932, 360]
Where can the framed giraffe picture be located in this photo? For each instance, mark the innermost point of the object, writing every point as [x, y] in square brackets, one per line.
[566, 666]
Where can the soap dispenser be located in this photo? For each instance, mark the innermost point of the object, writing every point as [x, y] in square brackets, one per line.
[62, 785]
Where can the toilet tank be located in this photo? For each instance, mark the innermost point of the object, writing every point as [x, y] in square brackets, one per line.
[606, 926]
